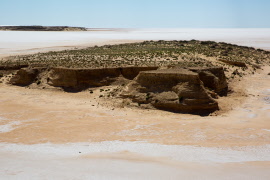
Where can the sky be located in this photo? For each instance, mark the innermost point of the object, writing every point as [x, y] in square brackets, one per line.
[137, 13]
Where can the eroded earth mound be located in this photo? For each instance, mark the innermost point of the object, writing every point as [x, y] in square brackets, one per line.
[185, 90]
[172, 87]
[178, 90]
[213, 78]
[78, 79]
[74, 79]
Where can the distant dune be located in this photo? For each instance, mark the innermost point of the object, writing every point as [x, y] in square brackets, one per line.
[41, 28]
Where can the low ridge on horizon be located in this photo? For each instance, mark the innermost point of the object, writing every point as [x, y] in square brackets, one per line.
[139, 14]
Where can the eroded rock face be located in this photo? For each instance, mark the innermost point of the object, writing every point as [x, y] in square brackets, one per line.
[177, 90]
[13, 67]
[71, 79]
[78, 79]
[24, 76]
[234, 63]
[213, 78]
[132, 72]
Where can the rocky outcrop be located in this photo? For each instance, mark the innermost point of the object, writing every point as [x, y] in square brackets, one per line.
[213, 78]
[186, 90]
[24, 76]
[13, 67]
[177, 90]
[78, 79]
[234, 63]
[132, 72]
[71, 79]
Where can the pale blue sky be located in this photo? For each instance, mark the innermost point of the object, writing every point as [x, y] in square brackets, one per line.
[138, 13]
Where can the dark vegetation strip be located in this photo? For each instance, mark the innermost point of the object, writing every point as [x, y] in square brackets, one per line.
[149, 53]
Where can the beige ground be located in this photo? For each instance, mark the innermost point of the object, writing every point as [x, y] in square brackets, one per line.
[65, 162]
[39, 116]
[37, 127]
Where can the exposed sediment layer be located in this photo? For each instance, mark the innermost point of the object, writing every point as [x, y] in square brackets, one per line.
[177, 90]
[233, 63]
[185, 90]
[13, 67]
[213, 78]
[25, 76]
[78, 79]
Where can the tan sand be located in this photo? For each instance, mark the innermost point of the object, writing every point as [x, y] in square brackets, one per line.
[39, 116]
[233, 143]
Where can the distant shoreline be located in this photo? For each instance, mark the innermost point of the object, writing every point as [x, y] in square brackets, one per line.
[41, 28]
[57, 28]
[25, 42]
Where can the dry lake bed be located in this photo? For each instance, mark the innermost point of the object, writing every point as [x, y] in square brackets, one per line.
[58, 135]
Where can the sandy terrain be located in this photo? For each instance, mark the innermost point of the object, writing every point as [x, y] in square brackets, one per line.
[130, 160]
[49, 134]
[63, 131]
[51, 117]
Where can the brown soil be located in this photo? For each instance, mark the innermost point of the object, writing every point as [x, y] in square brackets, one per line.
[40, 116]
